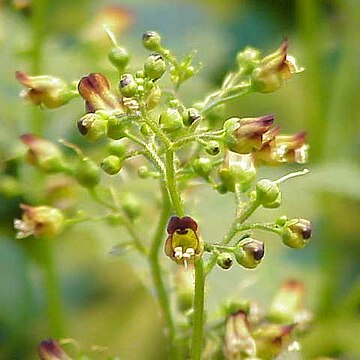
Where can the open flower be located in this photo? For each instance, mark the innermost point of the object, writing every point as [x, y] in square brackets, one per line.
[274, 69]
[45, 90]
[40, 221]
[49, 349]
[183, 244]
[244, 136]
[95, 90]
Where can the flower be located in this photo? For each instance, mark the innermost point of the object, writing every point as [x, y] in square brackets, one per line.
[249, 253]
[95, 90]
[45, 90]
[183, 244]
[244, 136]
[49, 349]
[238, 343]
[277, 149]
[40, 221]
[274, 69]
[42, 153]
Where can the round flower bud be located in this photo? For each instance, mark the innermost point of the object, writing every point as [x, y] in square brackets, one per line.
[151, 40]
[145, 129]
[131, 206]
[171, 120]
[267, 192]
[249, 253]
[143, 172]
[212, 147]
[153, 98]
[116, 127]
[202, 166]
[111, 164]
[117, 148]
[87, 173]
[296, 233]
[92, 126]
[119, 57]
[224, 260]
[154, 66]
[127, 85]
[275, 204]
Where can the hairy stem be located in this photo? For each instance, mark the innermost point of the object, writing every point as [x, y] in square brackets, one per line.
[198, 324]
[156, 273]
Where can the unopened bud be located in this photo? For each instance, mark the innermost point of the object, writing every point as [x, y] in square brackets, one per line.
[249, 253]
[224, 260]
[117, 147]
[111, 164]
[87, 173]
[267, 192]
[127, 85]
[151, 40]
[43, 154]
[131, 206]
[92, 126]
[119, 57]
[116, 126]
[191, 116]
[171, 120]
[40, 221]
[154, 67]
[247, 59]
[212, 147]
[203, 167]
[296, 233]
[50, 350]
[143, 172]
[153, 98]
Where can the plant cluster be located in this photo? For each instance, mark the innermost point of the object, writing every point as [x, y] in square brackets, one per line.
[179, 144]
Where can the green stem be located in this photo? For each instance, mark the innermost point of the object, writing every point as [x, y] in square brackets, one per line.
[234, 229]
[222, 100]
[51, 289]
[156, 273]
[198, 324]
[172, 185]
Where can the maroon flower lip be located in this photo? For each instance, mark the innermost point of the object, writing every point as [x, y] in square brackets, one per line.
[181, 225]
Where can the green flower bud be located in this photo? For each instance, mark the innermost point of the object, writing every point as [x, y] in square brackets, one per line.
[43, 154]
[111, 164]
[267, 192]
[50, 350]
[275, 204]
[202, 167]
[191, 116]
[296, 233]
[117, 148]
[143, 172]
[87, 173]
[224, 260]
[92, 126]
[154, 67]
[151, 40]
[127, 85]
[235, 170]
[171, 120]
[119, 57]
[131, 206]
[145, 130]
[116, 127]
[247, 59]
[212, 147]
[40, 221]
[281, 221]
[249, 253]
[153, 98]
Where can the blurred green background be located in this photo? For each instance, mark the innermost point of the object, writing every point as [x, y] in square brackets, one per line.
[104, 295]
